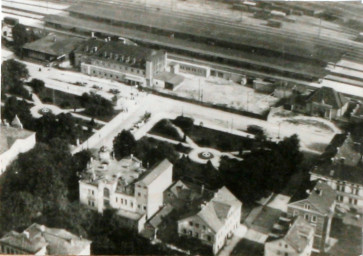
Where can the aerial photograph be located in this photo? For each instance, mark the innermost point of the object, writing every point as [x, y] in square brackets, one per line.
[181, 127]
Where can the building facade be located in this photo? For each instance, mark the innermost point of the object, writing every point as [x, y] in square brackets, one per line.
[347, 181]
[118, 61]
[13, 141]
[215, 221]
[41, 240]
[318, 210]
[290, 237]
[125, 185]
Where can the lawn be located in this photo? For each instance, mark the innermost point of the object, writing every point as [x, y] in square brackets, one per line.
[164, 128]
[225, 142]
[248, 248]
[59, 98]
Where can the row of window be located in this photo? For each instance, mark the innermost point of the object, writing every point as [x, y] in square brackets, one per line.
[307, 216]
[7, 250]
[196, 225]
[351, 200]
[196, 235]
[121, 67]
[341, 187]
[195, 70]
[91, 203]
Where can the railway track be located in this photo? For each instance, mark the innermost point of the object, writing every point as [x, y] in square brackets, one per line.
[322, 40]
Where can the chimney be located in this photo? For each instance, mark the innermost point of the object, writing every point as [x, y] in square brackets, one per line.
[42, 228]
[95, 49]
[26, 233]
[202, 190]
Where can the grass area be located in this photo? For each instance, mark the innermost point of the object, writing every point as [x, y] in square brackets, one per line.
[59, 98]
[105, 118]
[248, 248]
[222, 141]
[165, 129]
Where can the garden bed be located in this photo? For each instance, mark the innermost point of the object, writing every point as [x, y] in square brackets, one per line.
[164, 128]
[62, 99]
[206, 137]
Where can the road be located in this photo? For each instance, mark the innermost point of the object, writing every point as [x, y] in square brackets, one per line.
[161, 107]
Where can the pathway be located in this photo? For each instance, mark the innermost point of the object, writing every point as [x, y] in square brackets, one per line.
[238, 235]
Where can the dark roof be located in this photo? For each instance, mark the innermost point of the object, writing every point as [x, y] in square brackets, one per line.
[87, 46]
[117, 47]
[341, 172]
[329, 96]
[54, 44]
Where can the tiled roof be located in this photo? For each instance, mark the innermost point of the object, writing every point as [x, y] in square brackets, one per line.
[8, 136]
[156, 172]
[339, 172]
[58, 241]
[215, 212]
[295, 232]
[322, 197]
[328, 96]
[88, 46]
[54, 44]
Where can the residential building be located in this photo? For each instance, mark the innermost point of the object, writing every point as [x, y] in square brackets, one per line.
[317, 208]
[125, 185]
[13, 141]
[290, 237]
[346, 180]
[41, 240]
[118, 61]
[214, 221]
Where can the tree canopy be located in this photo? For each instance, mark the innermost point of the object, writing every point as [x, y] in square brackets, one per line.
[124, 144]
[96, 105]
[13, 74]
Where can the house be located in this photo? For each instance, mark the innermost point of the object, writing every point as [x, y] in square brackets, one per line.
[53, 47]
[125, 185]
[13, 141]
[290, 236]
[326, 102]
[214, 221]
[317, 208]
[116, 60]
[346, 180]
[41, 240]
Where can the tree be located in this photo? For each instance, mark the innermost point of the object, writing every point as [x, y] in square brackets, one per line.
[12, 75]
[96, 105]
[14, 107]
[20, 36]
[37, 85]
[124, 144]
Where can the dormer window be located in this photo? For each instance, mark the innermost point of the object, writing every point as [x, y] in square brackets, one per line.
[307, 206]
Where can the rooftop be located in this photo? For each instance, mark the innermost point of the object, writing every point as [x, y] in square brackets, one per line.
[170, 78]
[320, 195]
[54, 44]
[353, 174]
[8, 136]
[57, 241]
[328, 96]
[295, 232]
[215, 212]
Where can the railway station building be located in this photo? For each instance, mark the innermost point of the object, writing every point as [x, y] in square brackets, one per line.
[131, 64]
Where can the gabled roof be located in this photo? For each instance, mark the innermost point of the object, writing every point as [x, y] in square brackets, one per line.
[321, 197]
[215, 212]
[328, 96]
[339, 172]
[295, 232]
[155, 172]
[57, 241]
[8, 136]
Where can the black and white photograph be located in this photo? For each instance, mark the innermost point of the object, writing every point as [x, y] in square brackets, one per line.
[181, 127]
